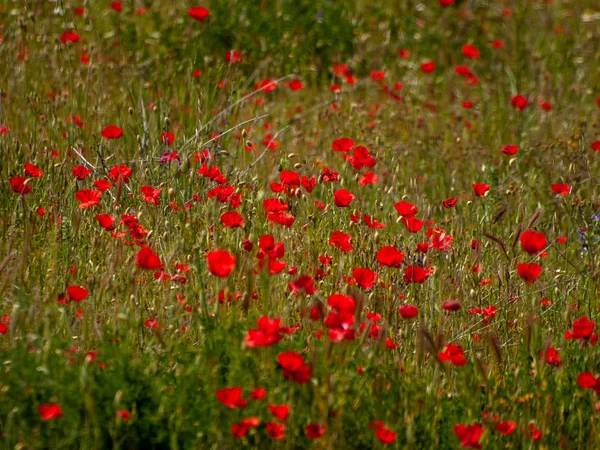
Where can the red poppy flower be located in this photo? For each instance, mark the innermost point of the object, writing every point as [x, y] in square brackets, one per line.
[80, 172]
[17, 184]
[412, 224]
[361, 158]
[77, 293]
[519, 102]
[167, 138]
[116, 6]
[150, 195]
[451, 305]
[341, 240]
[481, 189]
[105, 221]
[303, 282]
[506, 428]
[408, 311]
[365, 278]
[469, 435]
[231, 397]
[390, 257]
[296, 85]
[112, 132]
[450, 203]
[583, 330]
[50, 411]
[280, 412]
[416, 274]
[529, 272]
[220, 263]
[406, 209]
[293, 367]
[446, 3]
[148, 260]
[342, 198]
[268, 333]
[428, 67]
[88, 198]
[275, 430]
[368, 178]
[385, 435]
[102, 185]
[510, 149]
[551, 357]
[120, 172]
[587, 381]
[314, 431]
[258, 393]
[33, 171]
[533, 242]
[69, 37]
[123, 414]
[198, 13]
[453, 353]
[470, 51]
[233, 57]
[596, 146]
[232, 219]
[561, 189]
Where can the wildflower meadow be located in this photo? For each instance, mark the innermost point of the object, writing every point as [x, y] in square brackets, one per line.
[277, 224]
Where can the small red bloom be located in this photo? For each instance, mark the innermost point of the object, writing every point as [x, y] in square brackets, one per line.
[390, 257]
[406, 209]
[199, 13]
[77, 293]
[81, 172]
[561, 189]
[112, 132]
[529, 272]
[280, 412]
[148, 260]
[481, 189]
[533, 242]
[232, 219]
[314, 431]
[450, 203]
[408, 311]
[417, 274]
[428, 67]
[123, 414]
[510, 149]
[342, 198]
[365, 278]
[341, 240]
[33, 171]
[17, 184]
[275, 430]
[220, 263]
[231, 397]
[88, 198]
[385, 435]
[453, 353]
[506, 428]
[469, 435]
[69, 37]
[470, 51]
[50, 411]
[293, 367]
[519, 102]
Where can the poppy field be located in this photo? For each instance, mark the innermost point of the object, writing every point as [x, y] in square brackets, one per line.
[300, 224]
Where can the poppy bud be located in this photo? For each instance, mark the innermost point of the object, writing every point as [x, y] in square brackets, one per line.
[130, 111]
